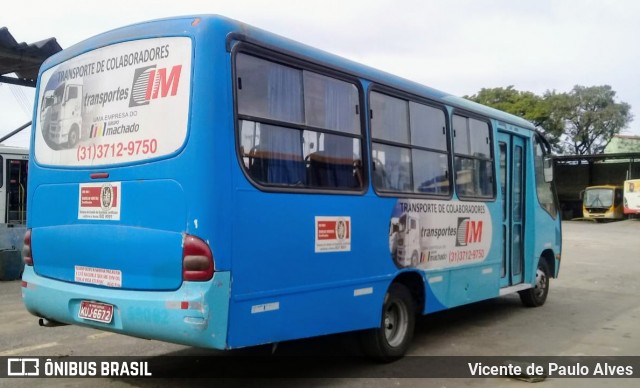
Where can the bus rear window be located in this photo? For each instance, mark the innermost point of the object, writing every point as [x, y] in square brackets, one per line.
[110, 105]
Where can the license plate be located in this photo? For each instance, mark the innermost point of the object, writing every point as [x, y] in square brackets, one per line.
[94, 311]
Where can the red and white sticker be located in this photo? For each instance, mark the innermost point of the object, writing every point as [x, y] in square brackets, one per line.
[100, 201]
[99, 276]
[333, 234]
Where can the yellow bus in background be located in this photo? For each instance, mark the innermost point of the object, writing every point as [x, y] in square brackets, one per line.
[632, 196]
[603, 203]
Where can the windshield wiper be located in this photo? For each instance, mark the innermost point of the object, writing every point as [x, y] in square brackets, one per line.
[595, 201]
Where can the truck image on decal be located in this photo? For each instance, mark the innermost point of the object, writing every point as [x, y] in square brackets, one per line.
[408, 241]
[61, 116]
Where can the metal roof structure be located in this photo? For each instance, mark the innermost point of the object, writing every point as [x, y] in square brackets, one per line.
[598, 157]
[23, 59]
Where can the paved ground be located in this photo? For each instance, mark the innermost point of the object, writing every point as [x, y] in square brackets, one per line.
[593, 309]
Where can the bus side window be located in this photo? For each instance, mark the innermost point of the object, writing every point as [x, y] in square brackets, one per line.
[618, 197]
[544, 189]
[429, 155]
[409, 148]
[473, 160]
[302, 128]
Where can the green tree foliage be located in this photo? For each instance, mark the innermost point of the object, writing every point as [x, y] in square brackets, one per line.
[524, 104]
[591, 117]
[582, 121]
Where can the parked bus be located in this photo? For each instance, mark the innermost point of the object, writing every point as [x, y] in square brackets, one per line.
[603, 202]
[13, 184]
[238, 188]
[13, 207]
[632, 196]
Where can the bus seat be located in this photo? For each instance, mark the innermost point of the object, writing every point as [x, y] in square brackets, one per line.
[271, 168]
[329, 171]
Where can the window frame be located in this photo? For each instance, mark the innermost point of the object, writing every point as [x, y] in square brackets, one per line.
[408, 98]
[492, 158]
[302, 64]
[540, 141]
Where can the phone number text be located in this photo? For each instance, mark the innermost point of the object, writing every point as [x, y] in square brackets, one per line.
[117, 150]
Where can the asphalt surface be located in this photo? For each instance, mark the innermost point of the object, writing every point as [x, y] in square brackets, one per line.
[593, 309]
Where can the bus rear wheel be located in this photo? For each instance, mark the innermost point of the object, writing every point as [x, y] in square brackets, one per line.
[391, 340]
[536, 296]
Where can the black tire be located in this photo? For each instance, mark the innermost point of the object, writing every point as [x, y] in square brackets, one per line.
[536, 296]
[391, 340]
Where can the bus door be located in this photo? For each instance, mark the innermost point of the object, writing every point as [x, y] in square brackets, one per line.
[512, 186]
[16, 191]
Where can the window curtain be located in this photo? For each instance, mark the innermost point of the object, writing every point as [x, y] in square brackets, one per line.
[339, 114]
[284, 144]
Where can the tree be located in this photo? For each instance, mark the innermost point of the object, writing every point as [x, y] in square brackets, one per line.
[582, 121]
[527, 105]
[590, 117]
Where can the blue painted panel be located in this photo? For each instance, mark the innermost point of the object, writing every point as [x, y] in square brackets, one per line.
[159, 315]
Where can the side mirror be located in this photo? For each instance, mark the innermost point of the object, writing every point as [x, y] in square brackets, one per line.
[547, 168]
[581, 195]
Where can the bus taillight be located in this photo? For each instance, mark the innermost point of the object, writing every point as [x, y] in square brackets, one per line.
[197, 259]
[26, 249]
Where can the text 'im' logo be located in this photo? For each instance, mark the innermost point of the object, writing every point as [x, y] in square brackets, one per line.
[150, 83]
[469, 232]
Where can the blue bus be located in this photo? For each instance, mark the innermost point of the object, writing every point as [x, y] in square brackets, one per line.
[200, 181]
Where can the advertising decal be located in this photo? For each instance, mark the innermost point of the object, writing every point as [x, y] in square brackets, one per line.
[439, 234]
[121, 103]
[632, 196]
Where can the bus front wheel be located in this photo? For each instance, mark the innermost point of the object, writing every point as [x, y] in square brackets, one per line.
[391, 340]
[536, 296]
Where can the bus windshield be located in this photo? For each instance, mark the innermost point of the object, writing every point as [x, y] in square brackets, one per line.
[598, 198]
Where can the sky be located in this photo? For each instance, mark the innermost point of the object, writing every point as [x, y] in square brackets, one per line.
[457, 46]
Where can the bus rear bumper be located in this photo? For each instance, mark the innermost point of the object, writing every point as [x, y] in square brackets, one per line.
[196, 314]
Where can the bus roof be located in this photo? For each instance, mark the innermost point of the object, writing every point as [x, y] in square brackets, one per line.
[603, 187]
[5, 149]
[240, 31]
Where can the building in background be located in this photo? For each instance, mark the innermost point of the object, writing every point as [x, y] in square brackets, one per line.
[623, 143]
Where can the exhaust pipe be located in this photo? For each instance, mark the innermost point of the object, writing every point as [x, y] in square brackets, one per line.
[44, 322]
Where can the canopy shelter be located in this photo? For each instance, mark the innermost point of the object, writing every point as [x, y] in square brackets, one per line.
[22, 59]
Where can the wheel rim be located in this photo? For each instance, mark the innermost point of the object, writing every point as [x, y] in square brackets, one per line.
[541, 283]
[396, 322]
